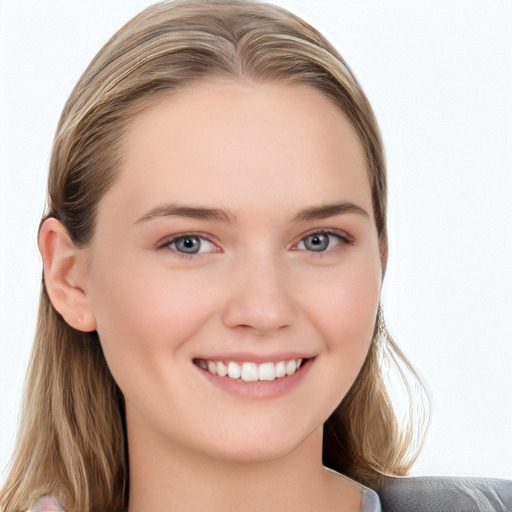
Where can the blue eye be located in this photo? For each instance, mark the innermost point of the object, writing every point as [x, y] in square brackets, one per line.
[318, 242]
[321, 241]
[188, 245]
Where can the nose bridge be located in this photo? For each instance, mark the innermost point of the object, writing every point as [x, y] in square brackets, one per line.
[259, 294]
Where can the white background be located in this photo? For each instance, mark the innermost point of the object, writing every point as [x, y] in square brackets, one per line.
[439, 75]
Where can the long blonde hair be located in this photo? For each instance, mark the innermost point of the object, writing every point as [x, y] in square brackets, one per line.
[71, 439]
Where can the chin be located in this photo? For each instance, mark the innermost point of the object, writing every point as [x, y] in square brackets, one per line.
[264, 448]
[254, 454]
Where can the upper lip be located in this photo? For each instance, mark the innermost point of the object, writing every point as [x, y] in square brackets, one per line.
[243, 357]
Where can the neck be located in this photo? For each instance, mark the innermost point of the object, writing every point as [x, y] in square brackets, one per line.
[178, 479]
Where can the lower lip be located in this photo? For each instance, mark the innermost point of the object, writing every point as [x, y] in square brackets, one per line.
[260, 389]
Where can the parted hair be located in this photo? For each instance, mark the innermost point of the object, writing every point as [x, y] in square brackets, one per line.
[71, 439]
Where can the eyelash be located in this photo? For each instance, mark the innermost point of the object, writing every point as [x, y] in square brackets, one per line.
[167, 242]
[343, 239]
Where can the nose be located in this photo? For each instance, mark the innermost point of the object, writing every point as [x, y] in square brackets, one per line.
[259, 297]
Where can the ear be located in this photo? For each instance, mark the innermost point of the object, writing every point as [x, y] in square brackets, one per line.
[65, 275]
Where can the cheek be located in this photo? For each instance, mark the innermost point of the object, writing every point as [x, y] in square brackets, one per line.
[342, 308]
[340, 303]
[143, 311]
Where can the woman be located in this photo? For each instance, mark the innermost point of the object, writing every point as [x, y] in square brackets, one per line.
[209, 334]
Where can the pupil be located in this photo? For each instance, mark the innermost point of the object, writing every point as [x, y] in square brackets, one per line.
[188, 245]
[317, 242]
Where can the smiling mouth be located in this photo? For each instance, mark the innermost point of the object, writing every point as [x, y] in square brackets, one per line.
[249, 371]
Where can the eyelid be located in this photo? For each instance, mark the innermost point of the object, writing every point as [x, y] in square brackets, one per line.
[165, 242]
[344, 237]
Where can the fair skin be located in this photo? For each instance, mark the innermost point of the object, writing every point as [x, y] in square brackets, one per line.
[278, 260]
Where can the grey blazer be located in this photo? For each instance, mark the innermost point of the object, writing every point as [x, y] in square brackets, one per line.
[445, 494]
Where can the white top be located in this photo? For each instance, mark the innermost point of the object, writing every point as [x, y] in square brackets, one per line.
[371, 501]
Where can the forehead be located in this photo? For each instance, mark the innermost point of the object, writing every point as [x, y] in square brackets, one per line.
[239, 144]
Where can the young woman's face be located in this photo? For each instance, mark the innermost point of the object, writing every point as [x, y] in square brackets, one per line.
[238, 237]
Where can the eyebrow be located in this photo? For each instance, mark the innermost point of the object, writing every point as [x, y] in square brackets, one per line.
[329, 210]
[191, 212]
[222, 215]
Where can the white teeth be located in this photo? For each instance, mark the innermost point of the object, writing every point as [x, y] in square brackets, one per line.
[234, 370]
[280, 369]
[251, 372]
[266, 371]
[291, 366]
[221, 369]
[212, 367]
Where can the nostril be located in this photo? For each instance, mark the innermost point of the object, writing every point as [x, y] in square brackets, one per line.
[259, 304]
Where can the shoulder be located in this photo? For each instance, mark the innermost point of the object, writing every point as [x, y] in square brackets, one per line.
[47, 503]
[450, 494]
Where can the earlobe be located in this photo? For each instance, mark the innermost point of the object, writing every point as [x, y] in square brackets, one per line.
[65, 275]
